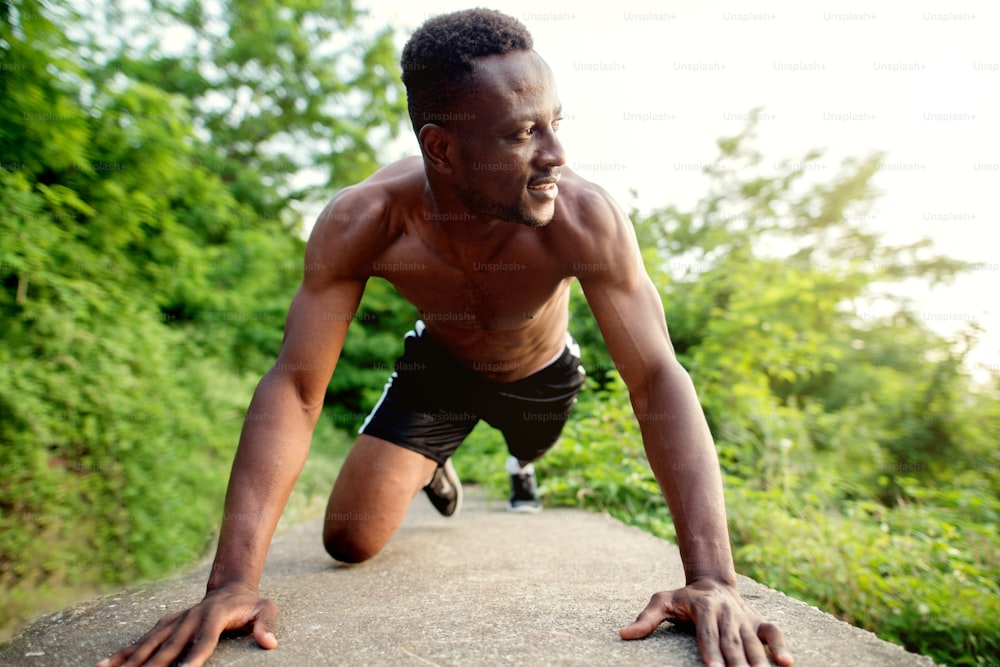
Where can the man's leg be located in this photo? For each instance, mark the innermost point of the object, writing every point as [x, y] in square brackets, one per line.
[371, 496]
[523, 487]
[425, 410]
[531, 413]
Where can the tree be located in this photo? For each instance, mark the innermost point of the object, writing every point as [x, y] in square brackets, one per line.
[767, 282]
[277, 88]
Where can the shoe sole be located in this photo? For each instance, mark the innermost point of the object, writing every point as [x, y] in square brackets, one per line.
[524, 509]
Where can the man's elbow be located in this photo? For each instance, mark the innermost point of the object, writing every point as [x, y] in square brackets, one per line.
[296, 390]
[659, 381]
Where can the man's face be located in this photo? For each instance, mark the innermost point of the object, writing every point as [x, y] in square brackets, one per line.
[509, 155]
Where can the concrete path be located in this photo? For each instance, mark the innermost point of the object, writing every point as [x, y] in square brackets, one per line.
[483, 588]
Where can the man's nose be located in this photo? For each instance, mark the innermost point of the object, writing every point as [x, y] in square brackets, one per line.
[551, 152]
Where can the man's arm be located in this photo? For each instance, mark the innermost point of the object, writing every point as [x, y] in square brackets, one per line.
[680, 450]
[272, 450]
[278, 429]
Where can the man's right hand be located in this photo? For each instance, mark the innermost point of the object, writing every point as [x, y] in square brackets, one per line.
[234, 607]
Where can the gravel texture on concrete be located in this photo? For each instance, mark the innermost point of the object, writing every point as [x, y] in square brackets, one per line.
[483, 588]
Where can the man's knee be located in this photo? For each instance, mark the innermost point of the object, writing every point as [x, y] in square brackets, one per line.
[348, 546]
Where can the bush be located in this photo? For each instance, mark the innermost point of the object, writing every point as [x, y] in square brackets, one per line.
[118, 441]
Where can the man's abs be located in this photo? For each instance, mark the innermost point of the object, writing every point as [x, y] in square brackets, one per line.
[507, 355]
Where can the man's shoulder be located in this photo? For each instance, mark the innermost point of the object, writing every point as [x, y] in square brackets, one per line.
[362, 220]
[597, 235]
[372, 199]
[587, 205]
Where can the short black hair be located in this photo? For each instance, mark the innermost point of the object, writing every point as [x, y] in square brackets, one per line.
[438, 58]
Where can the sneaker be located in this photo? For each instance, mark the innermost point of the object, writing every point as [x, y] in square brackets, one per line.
[524, 492]
[445, 490]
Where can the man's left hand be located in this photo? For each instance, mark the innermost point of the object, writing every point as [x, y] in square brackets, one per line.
[729, 631]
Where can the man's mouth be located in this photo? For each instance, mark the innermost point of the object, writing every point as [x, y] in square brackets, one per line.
[547, 191]
[546, 186]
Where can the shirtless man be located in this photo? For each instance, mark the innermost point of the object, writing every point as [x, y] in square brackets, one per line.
[484, 234]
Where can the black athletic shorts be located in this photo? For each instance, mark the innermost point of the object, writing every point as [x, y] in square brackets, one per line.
[431, 402]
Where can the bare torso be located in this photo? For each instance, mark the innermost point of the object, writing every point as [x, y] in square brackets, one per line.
[497, 297]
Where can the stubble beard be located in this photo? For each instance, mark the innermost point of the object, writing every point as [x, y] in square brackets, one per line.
[518, 212]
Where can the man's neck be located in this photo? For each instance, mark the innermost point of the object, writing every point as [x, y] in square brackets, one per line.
[463, 232]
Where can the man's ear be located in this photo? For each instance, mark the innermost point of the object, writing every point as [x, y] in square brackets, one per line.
[435, 142]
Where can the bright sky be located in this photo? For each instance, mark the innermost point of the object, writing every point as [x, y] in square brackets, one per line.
[648, 87]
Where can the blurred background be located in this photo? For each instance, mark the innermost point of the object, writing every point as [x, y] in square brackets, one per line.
[809, 185]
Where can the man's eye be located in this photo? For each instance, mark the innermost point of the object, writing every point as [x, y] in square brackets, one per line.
[556, 122]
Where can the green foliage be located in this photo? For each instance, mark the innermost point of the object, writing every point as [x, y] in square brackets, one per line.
[277, 87]
[148, 253]
[920, 575]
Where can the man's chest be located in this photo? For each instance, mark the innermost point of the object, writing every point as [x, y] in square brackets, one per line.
[491, 292]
